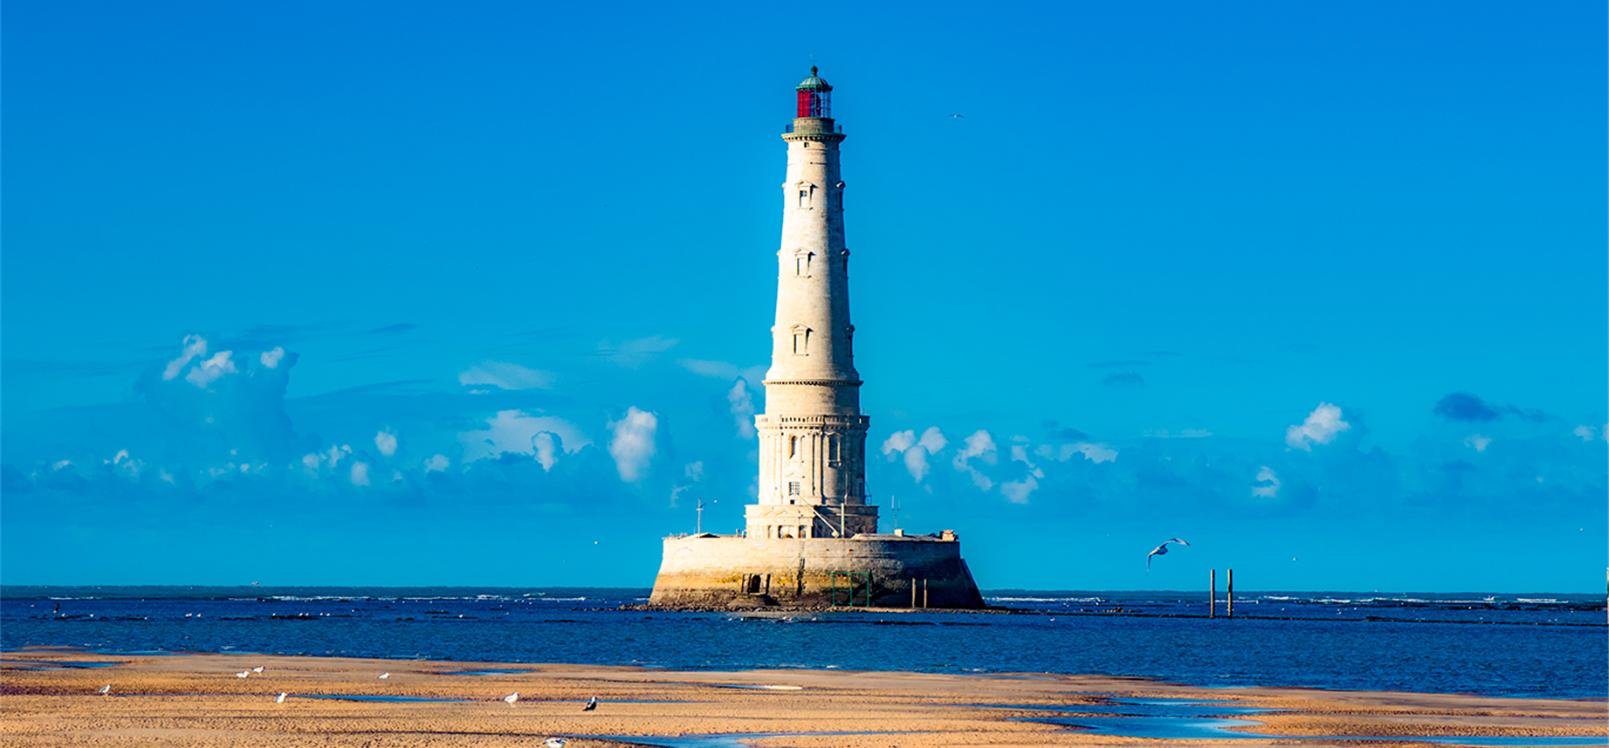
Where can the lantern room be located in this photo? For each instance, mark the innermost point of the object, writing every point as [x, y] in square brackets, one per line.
[815, 97]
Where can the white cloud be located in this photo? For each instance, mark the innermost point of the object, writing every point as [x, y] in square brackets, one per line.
[694, 471]
[915, 450]
[360, 473]
[272, 358]
[208, 371]
[194, 345]
[62, 464]
[311, 461]
[1096, 453]
[635, 353]
[1585, 432]
[916, 463]
[981, 446]
[122, 454]
[1268, 483]
[386, 442]
[633, 443]
[1320, 427]
[514, 431]
[899, 441]
[742, 402]
[547, 446]
[1478, 442]
[1017, 491]
[436, 464]
[504, 375]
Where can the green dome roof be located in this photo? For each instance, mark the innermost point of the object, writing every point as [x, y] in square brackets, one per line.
[813, 83]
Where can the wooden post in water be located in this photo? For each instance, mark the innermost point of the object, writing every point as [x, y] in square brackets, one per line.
[913, 592]
[1229, 594]
[1212, 594]
[924, 592]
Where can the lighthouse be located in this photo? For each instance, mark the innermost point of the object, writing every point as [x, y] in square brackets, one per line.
[810, 538]
[812, 434]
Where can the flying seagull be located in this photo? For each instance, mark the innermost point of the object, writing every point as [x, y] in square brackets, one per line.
[1161, 550]
[281, 698]
[511, 698]
[958, 116]
[106, 689]
[591, 705]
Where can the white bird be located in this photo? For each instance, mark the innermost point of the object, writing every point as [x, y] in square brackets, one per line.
[958, 116]
[554, 742]
[106, 689]
[257, 669]
[591, 705]
[242, 673]
[383, 676]
[1161, 550]
[281, 698]
[511, 698]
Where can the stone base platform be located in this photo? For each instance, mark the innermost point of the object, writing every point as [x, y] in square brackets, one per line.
[725, 571]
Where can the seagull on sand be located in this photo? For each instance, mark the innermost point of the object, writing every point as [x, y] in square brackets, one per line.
[242, 673]
[1161, 550]
[257, 669]
[106, 689]
[383, 676]
[554, 742]
[591, 705]
[511, 698]
[281, 698]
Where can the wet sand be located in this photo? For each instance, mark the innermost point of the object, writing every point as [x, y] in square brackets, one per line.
[197, 700]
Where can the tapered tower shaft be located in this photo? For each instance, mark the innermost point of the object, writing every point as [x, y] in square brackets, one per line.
[812, 435]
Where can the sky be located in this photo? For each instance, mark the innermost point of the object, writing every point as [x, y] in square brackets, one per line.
[422, 294]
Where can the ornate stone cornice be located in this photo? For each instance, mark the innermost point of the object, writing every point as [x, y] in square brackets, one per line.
[814, 137]
[817, 382]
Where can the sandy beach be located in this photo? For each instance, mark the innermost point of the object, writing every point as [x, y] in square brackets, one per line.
[199, 700]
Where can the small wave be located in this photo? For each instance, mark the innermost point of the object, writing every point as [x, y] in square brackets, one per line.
[1046, 599]
[1538, 600]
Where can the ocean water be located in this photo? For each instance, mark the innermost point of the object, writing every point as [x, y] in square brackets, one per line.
[1542, 645]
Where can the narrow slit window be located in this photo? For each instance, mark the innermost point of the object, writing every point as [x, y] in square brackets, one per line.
[801, 263]
[801, 340]
[793, 488]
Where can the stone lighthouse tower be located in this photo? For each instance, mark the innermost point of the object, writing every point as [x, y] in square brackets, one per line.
[811, 539]
[812, 435]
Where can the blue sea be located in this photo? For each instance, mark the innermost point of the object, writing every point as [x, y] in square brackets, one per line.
[1535, 645]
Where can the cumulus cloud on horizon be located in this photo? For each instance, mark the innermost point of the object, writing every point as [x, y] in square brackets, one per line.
[1266, 484]
[1321, 427]
[515, 431]
[633, 445]
[741, 402]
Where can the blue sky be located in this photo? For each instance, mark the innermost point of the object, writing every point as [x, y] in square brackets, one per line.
[1319, 288]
